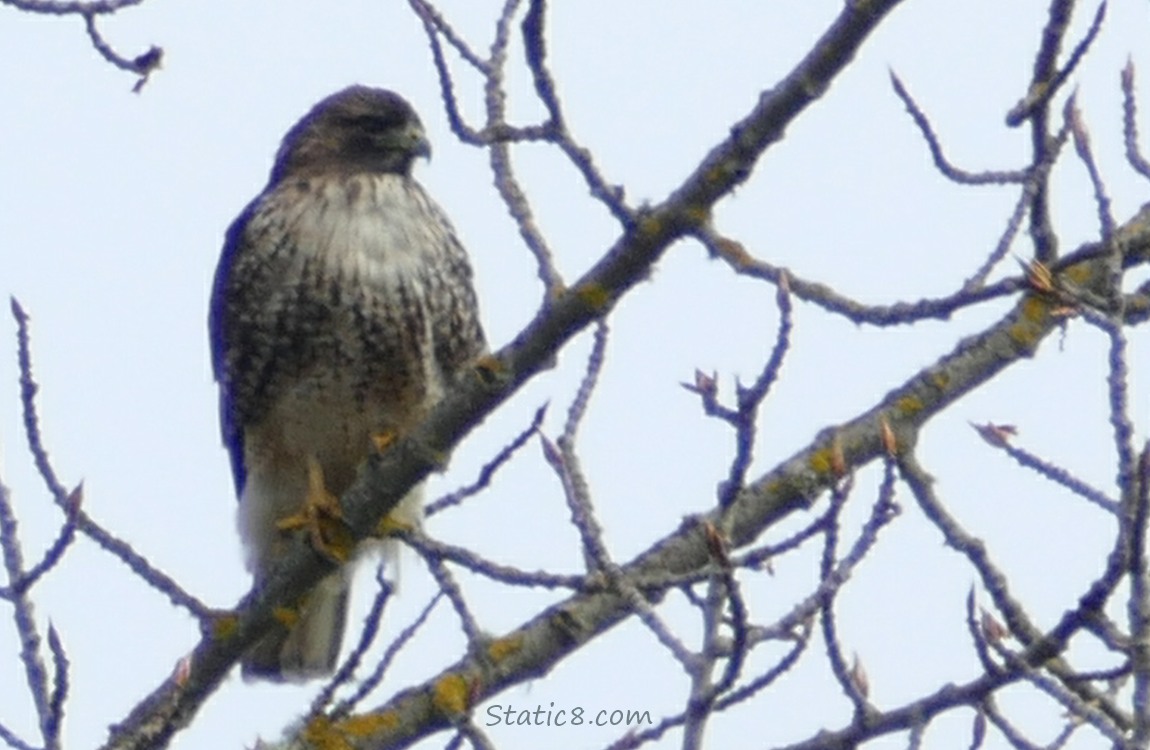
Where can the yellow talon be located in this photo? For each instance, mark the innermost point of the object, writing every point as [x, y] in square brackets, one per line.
[286, 616]
[492, 371]
[389, 526]
[321, 517]
[384, 440]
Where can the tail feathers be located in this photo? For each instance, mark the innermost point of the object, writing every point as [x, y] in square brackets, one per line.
[310, 647]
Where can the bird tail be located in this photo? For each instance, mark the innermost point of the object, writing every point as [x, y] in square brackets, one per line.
[310, 646]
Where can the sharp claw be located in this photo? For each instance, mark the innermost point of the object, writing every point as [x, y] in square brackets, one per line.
[321, 517]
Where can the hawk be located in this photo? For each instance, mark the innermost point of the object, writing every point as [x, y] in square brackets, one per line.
[342, 308]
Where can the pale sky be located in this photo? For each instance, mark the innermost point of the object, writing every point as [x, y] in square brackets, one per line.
[114, 209]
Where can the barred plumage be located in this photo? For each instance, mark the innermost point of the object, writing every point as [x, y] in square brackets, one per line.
[342, 308]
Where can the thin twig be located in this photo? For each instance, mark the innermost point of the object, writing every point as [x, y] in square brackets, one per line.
[431, 15]
[372, 681]
[83, 522]
[535, 50]
[1081, 135]
[23, 616]
[142, 65]
[464, 132]
[951, 172]
[465, 558]
[1036, 177]
[1130, 124]
[450, 588]
[59, 693]
[899, 313]
[487, 473]
[367, 637]
[53, 554]
[1138, 607]
[994, 435]
[1047, 78]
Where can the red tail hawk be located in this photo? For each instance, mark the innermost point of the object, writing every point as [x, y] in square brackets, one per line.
[342, 307]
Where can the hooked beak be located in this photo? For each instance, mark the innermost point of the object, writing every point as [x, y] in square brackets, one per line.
[415, 141]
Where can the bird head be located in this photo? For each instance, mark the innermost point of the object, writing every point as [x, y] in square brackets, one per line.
[358, 129]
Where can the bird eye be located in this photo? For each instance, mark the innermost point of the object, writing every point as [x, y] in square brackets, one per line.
[374, 125]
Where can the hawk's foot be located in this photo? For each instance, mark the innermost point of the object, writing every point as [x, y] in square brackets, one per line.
[321, 517]
[384, 440]
[390, 525]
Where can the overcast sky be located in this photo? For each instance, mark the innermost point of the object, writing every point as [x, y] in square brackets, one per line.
[112, 212]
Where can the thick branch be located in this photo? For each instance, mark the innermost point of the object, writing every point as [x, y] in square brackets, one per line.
[389, 477]
[539, 645]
